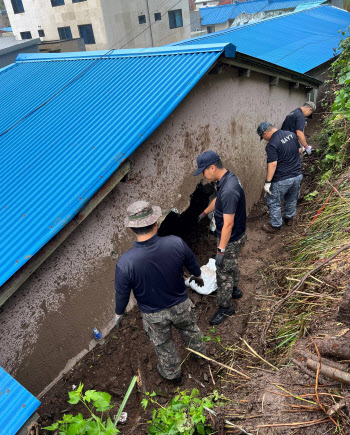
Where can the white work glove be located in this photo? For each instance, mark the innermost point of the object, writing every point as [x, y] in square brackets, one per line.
[267, 187]
[308, 150]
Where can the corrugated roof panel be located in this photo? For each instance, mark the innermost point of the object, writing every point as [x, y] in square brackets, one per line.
[274, 5]
[308, 5]
[216, 14]
[221, 14]
[54, 160]
[16, 404]
[299, 41]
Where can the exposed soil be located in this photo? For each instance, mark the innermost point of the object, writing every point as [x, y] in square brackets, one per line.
[254, 403]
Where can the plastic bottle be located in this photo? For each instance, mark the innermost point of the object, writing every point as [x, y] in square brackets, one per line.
[97, 334]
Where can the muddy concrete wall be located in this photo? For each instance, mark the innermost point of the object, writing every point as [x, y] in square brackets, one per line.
[48, 323]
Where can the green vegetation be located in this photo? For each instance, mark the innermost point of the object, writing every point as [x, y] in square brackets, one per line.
[94, 401]
[335, 137]
[184, 414]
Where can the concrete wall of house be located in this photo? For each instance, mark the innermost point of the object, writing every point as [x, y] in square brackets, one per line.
[115, 23]
[123, 28]
[67, 46]
[196, 21]
[244, 18]
[40, 15]
[49, 321]
[4, 19]
[322, 73]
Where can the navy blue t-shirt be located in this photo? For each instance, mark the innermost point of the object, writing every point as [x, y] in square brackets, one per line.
[294, 121]
[153, 270]
[283, 148]
[230, 200]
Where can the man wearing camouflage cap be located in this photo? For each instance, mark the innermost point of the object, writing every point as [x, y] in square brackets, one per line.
[153, 269]
[295, 122]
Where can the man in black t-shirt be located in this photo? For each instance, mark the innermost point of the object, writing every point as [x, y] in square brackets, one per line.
[295, 122]
[230, 218]
[283, 177]
[153, 270]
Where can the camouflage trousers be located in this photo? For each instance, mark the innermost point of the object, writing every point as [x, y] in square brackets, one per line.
[287, 190]
[158, 327]
[227, 276]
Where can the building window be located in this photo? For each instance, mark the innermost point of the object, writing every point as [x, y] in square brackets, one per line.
[175, 18]
[210, 29]
[41, 33]
[87, 33]
[57, 3]
[157, 16]
[17, 6]
[78, 1]
[64, 33]
[26, 35]
[142, 19]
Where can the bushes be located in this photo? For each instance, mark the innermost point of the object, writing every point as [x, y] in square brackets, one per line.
[335, 138]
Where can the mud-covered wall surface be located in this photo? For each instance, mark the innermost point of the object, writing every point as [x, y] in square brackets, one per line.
[48, 323]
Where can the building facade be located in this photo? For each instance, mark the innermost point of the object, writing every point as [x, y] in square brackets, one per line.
[103, 24]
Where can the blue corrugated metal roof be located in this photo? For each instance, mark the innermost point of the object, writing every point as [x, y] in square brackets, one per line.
[6, 29]
[216, 14]
[308, 5]
[221, 14]
[54, 160]
[16, 404]
[274, 5]
[299, 41]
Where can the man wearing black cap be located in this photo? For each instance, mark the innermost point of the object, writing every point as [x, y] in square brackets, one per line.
[295, 122]
[230, 218]
[283, 176]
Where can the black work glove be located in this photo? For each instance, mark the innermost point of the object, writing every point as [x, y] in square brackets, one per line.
[219, 259]
[198, 280]
[201, 216]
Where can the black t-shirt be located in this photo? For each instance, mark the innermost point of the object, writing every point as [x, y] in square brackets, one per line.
[294, 121]
[153, 270]
[284, 148]
[230, 200]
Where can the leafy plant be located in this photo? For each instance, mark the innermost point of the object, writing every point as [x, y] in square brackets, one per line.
[94, 401]
[337, 125]
[184, 414]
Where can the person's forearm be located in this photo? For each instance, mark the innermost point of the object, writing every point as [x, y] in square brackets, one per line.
[302, 138]
[211, 207]
[225, 236]
[121, 301]
[271, 169]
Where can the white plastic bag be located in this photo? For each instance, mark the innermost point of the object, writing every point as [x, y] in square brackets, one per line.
[209, 277]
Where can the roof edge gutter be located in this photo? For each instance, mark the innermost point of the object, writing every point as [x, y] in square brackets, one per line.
[13, 283]
[138, 52]
[248, 62]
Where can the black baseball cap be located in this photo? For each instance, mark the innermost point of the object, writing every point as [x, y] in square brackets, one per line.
[205, 159]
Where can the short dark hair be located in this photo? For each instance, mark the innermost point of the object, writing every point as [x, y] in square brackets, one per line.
[269, 128]
[218, 164]
[143, 230]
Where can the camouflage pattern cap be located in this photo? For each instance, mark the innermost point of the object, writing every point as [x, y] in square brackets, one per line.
[141, 214]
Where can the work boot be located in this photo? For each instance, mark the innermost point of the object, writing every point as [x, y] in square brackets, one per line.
[288, 222]
[236, 293]
[221, 315]
[176, 381]
[268, 228]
